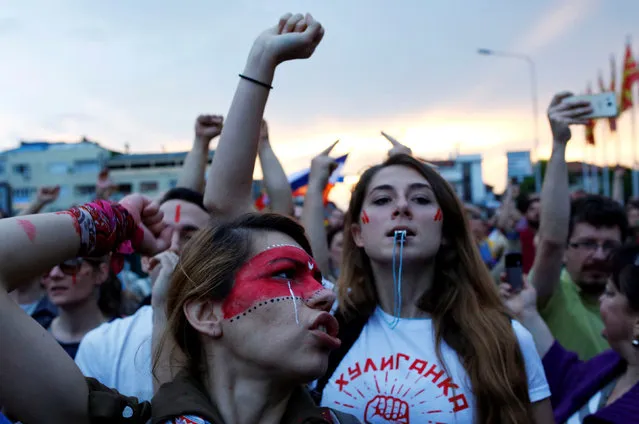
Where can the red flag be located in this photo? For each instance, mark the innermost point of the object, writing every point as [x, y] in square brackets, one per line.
[612, 122]
[590, 126]
[629, 77]
[262, 202]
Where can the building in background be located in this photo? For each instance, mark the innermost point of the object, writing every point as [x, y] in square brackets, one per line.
[519, 165]
[72, 166]
[5, 200]
[75, 168]
[151, 174]
[464, 173]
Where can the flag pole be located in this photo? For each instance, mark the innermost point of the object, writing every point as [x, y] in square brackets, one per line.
[594, 171]
[585, 178]
[618, 144]
[605, 173]
[634, 141]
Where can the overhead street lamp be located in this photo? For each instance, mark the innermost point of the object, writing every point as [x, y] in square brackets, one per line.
[533, 88]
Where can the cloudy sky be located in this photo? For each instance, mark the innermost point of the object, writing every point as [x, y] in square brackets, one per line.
[140, 71]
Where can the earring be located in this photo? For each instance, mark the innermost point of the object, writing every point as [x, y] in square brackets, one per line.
[635, 342]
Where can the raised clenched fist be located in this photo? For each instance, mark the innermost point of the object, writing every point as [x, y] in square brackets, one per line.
[207, 127]
[386, 409]
[294, 37]
[48, 194]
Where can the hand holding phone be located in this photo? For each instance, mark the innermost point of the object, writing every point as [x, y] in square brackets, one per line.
[514, 272]
[564, 111]
[604, 105]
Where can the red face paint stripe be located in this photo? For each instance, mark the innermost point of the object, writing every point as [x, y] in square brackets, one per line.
[178, 209]
[28, 228]
[439, 216]
[365, 218]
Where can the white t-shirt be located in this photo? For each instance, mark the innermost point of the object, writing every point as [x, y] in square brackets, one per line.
[118, 354]
[393, 375]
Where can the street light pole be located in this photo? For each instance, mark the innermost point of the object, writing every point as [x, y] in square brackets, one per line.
[533, 87]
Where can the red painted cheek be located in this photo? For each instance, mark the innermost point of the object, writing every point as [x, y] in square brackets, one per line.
[365, 218]
[28, 228]
[74, 279]
[439, 215]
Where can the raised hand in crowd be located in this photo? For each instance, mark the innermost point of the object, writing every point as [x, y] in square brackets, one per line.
[274, 178]
[207, 127]
[264, 138]
[322, 166]
[398, 148]
[148, 216]
[555, 196]
[562, 113]
[46, 195]
[104, 187]
[161, 267]
[229, 190]
[522, 305]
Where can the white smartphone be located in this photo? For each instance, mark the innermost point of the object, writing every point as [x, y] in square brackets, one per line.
[604, 105]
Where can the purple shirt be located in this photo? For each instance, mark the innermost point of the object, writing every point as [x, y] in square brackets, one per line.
[573, 382]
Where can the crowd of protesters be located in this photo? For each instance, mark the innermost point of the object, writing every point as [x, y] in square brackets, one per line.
[397, 310]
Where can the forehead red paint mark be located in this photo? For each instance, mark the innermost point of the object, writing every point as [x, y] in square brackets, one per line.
[178, 209]
[439, 215]
[365, 218]
[256, 285]
[28, 228]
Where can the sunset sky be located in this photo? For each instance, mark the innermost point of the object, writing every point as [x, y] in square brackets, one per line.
[141, 71]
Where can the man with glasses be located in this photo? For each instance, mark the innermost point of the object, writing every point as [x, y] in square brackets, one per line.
[571, 262]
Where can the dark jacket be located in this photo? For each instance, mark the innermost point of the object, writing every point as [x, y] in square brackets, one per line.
[44, 312]
[186, 396]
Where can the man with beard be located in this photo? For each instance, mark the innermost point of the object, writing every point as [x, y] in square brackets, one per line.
[529, 205]
[571, 263]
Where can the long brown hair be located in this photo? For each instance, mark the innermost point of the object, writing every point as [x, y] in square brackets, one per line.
[464, 304]
[207, 268]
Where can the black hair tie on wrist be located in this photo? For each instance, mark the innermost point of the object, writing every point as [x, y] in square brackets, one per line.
[270, 87]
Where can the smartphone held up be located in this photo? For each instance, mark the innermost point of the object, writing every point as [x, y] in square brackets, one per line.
[604, 105]
[514, 272]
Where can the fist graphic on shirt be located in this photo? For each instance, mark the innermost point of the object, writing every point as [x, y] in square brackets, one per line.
[386, 409]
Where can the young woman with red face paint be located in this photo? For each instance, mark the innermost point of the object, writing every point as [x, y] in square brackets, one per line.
[245, 306]
[247, 309]
[425, 337]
